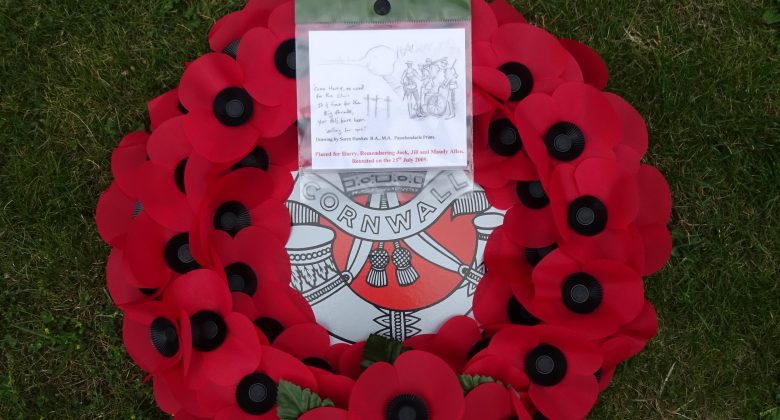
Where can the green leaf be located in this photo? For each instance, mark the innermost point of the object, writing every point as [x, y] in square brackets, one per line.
[771, 16]
[381, 349]
[294, 401]
[469, 382]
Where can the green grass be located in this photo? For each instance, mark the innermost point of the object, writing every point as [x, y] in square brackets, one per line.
[75, 75]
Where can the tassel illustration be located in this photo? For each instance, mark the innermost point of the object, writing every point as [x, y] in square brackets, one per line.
[379, 259]
[404, 271]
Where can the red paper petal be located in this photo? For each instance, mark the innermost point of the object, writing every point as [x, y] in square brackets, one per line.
[658, 245]
[126, 162]
[593, 67]
[634, 127]
[483, 21]
[115, 211]
[304, 341]
[122, 288]
[326, 413]
[531, 228]
[218, 142]
[373, 390]
[506, 13]
[199, 290]
[489, 401]
[265, 83]
[428, 376]
[579, 393]
[163, 108]
[656, 197]
[205, 78]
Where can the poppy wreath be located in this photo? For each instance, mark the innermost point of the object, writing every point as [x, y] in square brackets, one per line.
[197, 222]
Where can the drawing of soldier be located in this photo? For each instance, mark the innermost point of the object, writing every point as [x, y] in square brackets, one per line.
[449, 86]
[411, 89]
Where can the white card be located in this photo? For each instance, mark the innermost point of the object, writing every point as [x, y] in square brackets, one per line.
[383, 99]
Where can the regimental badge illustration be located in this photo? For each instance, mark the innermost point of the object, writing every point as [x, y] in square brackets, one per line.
[393, 253]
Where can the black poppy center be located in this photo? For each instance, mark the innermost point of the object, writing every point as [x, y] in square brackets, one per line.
[241, 278]
[178, 255]
[582, 293]
[232, 217]
[318, 363]
[565, 141]
[285, 58]
[148, 292]
[518, 314]
[257, 158]
[503, 138]
[407, 407]
[480, 345]
[208, 331]
[535, 255]
[532, 195]
[270, 327]
[164, 337]
[233, 106]
[545, 365]
[587, 216]
[182, 109]
[232, 48]
[520, 79]
[178, 175]
[256, 394]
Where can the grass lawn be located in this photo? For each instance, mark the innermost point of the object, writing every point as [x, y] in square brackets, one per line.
[76, 74]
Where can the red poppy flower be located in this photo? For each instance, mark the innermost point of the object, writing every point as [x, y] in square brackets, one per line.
[491, 401]
[453, 343]
[268, 56]
[575, 123]
[531, 59]
[499, 158]
[594, 203]
[152, 336]
[224, 344]
[497, 307]
[115, 211]
[164, 108]
[155, 255]
[417, 385]
[554, 364]
[225, 36]
[253, 395]
[274, 308]
[164, 194]
[506, 13]
[278, 156]
[594, 298]
[655, 211]
[224, 122]
[127, 160]
[121, 286]
[241, 199]
[254, 255]
[594, 69]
